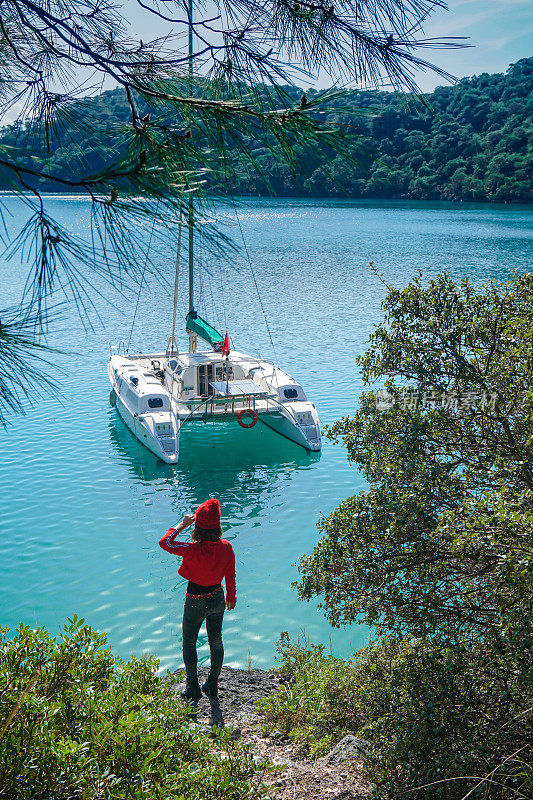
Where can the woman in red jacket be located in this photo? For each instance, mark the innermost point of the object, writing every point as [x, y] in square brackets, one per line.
[207, 559]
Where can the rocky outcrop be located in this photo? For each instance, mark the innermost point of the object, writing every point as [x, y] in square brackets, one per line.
[348, 749]
[293, 776]
[238, 689]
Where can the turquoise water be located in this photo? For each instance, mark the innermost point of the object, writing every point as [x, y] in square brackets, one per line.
[83, 504]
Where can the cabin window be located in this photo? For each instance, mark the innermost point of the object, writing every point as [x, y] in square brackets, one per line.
[155, 402]
[290, 394]
[224, 372]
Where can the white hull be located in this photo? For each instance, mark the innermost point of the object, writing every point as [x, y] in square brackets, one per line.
[142, 435]
[284, 425]
[144, 426]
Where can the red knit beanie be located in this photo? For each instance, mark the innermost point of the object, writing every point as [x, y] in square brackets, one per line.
[208, 514]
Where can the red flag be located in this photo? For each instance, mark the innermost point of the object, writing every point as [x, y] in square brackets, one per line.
[225, 346]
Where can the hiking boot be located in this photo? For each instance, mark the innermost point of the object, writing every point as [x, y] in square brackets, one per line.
[192, 691]
[210, 688]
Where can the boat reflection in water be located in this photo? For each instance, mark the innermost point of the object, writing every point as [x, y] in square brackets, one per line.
[222, 458]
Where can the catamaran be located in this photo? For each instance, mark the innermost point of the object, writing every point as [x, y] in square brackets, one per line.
[156, 394]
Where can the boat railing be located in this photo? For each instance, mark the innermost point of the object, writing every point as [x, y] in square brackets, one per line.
[287, 410]
[172, 347]
[240, 402]
[116, 386]
[249, 399]
[194, 410]
[117, 349]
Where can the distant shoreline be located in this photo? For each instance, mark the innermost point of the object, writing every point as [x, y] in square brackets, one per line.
[307, 198]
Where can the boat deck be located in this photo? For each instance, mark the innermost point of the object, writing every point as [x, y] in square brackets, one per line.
[226, 399]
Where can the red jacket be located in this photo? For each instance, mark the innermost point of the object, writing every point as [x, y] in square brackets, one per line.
[205, 563]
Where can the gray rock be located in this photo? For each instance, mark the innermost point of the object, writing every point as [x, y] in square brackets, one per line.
[216, 719]
[348, 747]
[235, 733]
[286, 678]
[238, 690]
[284, 762]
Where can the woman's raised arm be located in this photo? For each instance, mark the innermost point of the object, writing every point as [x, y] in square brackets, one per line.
[168, 541]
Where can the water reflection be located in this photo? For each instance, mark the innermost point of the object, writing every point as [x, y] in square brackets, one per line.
[219, 458]
[102, 500]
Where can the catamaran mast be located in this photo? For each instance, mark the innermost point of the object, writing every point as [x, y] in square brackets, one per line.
[191, 217]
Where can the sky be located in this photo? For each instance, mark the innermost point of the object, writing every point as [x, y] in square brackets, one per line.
[500, 32]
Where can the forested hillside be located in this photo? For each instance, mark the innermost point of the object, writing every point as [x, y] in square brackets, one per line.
[471, 141]
[474, 142]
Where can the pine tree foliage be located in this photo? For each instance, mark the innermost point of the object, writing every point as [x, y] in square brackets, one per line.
[181, 126]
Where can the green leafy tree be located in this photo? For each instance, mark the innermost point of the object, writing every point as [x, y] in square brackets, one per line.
[445, 462]
[439, 548]
[425, 153]
[78, 722]
[433, 723]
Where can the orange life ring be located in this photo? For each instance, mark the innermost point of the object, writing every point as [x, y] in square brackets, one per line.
[247, 412]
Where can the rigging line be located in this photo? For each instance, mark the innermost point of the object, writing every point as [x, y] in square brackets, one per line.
[201, 278]
[214, 311]
[176, 279]
[176, 284]
[208, 295]
[221, 271]
[207, 288]
[254, 278]
[142, 280]
[213, 428]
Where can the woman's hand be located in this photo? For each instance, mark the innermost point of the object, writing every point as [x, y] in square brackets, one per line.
[230, 604]
[187, 520]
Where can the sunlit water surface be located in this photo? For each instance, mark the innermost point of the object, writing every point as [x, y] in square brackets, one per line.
[83, 504]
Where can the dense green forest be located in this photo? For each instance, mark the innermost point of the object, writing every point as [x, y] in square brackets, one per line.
[471, 141]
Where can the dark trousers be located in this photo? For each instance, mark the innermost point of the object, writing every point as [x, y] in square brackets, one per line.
[196, 610]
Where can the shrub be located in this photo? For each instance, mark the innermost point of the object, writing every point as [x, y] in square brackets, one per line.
[79, 722]
[315, 708]
[423, 710]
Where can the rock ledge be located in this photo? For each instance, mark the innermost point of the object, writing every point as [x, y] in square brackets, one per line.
[336, 776]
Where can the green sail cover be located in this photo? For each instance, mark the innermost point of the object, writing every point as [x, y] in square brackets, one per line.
[203, 329]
